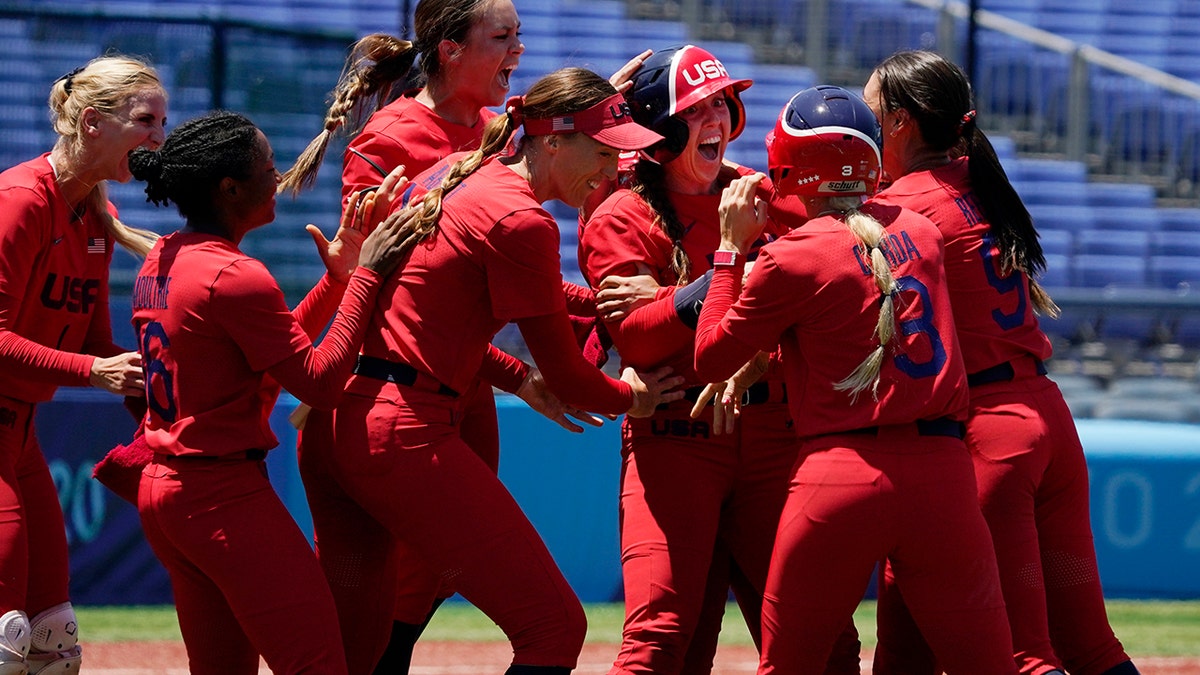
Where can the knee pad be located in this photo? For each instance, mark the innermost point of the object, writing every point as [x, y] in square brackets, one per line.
[15, 635]
[65, 662]
[55, 630]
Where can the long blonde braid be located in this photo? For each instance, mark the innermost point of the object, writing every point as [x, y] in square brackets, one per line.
[375, 63]
[870, 234]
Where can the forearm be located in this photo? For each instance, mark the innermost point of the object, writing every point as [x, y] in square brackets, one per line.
[318, 375]
[718, 354]
[503, 370]
[571, 378]
[317, 308]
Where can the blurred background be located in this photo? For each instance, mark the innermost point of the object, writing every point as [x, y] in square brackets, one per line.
[1092, 105]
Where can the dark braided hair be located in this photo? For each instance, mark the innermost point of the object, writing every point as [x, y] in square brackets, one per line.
[650, 183]
[193, 160]
[938, 95]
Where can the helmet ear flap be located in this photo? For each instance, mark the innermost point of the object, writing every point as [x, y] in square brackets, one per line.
[675, 137]
[737, 115]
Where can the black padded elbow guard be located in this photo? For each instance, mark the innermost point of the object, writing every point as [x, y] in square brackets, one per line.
[689, 300]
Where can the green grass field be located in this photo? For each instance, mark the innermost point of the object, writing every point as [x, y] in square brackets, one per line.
[1146, 628]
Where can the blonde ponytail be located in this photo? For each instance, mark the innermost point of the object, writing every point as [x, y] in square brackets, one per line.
[870, 234]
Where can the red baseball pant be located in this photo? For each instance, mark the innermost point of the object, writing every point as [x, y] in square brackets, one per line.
[855, 499]
[1033, 489]
[33, 535]
[245, 580]
[402, 473]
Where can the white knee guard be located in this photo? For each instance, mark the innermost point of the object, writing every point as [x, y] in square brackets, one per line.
[55, 629]
[54, 649]
[15, 634]
[65, 662]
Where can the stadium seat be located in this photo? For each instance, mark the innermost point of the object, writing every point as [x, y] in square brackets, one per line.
[1058, 271]
[1057, 242]
[1102, 271]
[1056, 170]
[1070, 217]
[1132, 408]
[1109, 242]
[1126, 218]
[1051, 192]
[1175, 243]
[1174, 272]
[1121, 194]
[1179, 219]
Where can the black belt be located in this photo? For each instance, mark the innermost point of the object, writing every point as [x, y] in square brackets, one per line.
[400, 373]
[942, 426]
[999, 373]
[757, 394]
[247, 455]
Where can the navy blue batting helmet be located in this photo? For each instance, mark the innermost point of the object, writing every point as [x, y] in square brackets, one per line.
[826, 142]
[670, 81]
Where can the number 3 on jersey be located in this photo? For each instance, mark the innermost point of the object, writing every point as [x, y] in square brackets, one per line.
[160, 390]
[920, 324]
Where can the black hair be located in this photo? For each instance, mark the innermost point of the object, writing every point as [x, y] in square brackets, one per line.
[937, 94]
[193, 160]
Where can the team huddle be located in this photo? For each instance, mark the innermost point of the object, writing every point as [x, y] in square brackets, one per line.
[857, 328]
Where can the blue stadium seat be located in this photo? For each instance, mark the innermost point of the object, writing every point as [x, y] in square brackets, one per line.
[1183, 220]
[1058, 271]
[1069, 193]
[1125, 218]
[1110, 242]
[1071, 217]
[1101, 271]
[1174, 272]
[1176, 243]
[1057, 242]
[1056, 170]
[1121, 194]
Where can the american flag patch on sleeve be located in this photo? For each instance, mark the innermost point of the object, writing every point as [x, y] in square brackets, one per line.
[96, 245]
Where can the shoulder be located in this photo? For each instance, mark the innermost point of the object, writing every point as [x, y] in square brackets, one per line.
[623, 204]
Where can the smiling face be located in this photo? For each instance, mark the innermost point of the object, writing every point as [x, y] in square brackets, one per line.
[249, 203]
[138, 123]
[578, 166]
[482, 65]
[696, 169]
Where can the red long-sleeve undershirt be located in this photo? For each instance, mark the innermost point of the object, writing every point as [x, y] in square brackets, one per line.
[718, 354]
[316, 375]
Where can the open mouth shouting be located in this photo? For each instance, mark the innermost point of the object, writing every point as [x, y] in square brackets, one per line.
[709, 146]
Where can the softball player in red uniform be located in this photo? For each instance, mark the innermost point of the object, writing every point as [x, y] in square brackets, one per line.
[687, 489]
[489, 255]
[882, 469]
[217, 342]
[57, 232]
[1029, 464]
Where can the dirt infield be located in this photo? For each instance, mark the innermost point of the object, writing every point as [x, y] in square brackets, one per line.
[475, 658]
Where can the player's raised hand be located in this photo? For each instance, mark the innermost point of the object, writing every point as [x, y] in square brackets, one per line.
[623, 78]
[651, 389]
[743, 213]
[538, 396]
[380, 201]
[340, 255]
[383, 248]
[121, 374]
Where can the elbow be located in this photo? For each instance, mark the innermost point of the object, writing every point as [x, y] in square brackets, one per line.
[325, 398]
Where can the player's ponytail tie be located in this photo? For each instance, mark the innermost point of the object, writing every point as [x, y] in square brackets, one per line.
[515, 107]
[69, 79]
[967, 119]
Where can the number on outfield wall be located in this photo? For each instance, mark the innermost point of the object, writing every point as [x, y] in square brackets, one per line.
[1191, 540]
[81, 498]
[1128, 493]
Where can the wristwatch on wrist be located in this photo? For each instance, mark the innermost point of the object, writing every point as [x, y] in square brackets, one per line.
[722, 258]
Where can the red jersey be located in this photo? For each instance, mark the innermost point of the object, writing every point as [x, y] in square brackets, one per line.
[493, 260]
[622, 233]
[995, 318]
[54, 317]
[406, 132]
[811, 293]
[211, 321]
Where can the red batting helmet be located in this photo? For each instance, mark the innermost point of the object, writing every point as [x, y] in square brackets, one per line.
[670, 81]
[826, 143]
